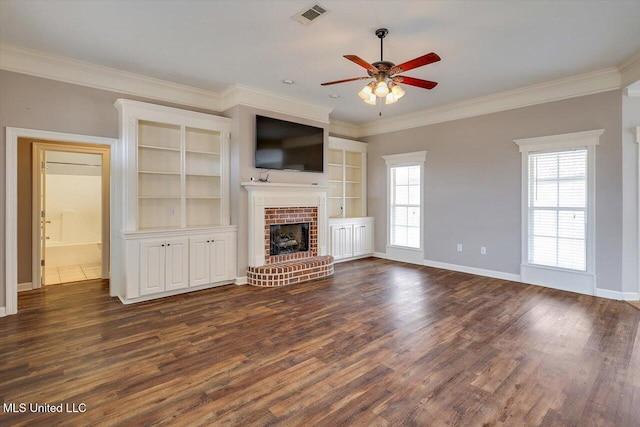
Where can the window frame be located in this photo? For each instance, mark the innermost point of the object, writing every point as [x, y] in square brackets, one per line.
[396, 252]
[550, 276]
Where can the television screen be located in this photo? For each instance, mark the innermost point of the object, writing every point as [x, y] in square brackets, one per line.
[288, 146]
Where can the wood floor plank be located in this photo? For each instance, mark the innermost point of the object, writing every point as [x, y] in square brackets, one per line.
[380, 343]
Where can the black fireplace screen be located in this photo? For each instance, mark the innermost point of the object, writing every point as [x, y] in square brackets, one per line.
[289, 238]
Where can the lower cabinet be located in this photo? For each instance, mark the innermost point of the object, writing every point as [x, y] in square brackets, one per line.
[351, 237]
[211, 259]
[164, 263]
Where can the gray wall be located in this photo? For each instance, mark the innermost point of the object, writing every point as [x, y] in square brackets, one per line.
[242, 161]
[472, 182]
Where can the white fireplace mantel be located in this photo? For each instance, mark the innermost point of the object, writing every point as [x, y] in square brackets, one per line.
[276, 195]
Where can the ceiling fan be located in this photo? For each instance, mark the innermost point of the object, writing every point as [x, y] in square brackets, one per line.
[385, 75]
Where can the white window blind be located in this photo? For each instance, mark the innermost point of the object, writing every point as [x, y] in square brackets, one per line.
[558, 208]
[405, 206]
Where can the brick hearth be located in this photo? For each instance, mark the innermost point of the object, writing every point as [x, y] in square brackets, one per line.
[281, 270]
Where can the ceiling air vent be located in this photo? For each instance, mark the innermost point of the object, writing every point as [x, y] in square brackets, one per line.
[312, 14]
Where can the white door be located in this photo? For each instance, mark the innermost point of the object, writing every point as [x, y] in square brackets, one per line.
[176, 263]
[219, 258]
[152, 267]
[199, 248]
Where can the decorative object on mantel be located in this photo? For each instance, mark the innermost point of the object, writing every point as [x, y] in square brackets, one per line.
[385, 84]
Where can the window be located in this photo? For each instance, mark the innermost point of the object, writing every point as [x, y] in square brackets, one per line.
[405, 214]
[558, 209]
[405, 206]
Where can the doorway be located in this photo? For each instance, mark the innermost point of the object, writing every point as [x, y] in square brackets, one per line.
[70, 219]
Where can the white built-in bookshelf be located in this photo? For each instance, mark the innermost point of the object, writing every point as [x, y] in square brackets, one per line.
[347, 175]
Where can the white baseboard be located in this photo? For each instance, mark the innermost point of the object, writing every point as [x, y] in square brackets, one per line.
[26, 286]
[3, 311]
[620, 296]
[380, 255]
[338, 261]
[241, 280]
[473, 270]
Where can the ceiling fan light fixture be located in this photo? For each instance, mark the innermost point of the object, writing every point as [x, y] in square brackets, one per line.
[397, 91]
[372, 99]
[390, 98]
[381, 89]
[366, 92]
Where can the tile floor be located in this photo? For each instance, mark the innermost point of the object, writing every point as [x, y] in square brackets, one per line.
[72, 273]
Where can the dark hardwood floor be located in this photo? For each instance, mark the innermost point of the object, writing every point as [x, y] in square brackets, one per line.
[380, 343]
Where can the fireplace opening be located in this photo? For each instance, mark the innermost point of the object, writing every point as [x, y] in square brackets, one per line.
[289, 238]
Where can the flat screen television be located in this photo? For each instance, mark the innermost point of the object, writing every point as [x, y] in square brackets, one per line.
[288, 146]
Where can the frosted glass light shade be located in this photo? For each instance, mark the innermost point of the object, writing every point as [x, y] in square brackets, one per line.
[381, 89]
[397, 91]
[390, 98]
[371, 100]
[365, 93]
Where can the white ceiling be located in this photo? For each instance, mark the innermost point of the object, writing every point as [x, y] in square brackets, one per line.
[486, 46]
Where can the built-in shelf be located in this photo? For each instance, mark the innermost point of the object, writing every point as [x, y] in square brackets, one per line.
[347, 197]
[159, 197]
[155, 147]
[203, 197]
[210, 153]
[159, 173]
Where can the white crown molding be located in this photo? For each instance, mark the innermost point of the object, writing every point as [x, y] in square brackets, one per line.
[239, 94]
[55, 67]
[337, 127]
[630, 71]
[570, 87]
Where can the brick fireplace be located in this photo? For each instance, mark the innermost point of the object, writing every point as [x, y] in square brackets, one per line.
[283, 206]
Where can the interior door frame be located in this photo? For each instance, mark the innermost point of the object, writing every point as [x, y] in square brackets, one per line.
[104, 152]
[12, 134]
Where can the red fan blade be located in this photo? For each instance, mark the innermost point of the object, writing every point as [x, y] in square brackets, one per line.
[344, 81]
[425, 84]
[364, 64]
[429, 58]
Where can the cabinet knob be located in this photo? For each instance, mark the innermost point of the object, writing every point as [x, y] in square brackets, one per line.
[168, 244]
[163, 246]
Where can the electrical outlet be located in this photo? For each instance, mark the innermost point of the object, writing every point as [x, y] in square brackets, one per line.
[459, 247]
[172, 211]
[483, 250]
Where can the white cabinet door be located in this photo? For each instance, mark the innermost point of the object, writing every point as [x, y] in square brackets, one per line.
[336, 242]
[219, 258]
[199, 248]
[359, 239]
[341, 241]
[347, 238]
[152, 267]
[362, 239]
[176, 263]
